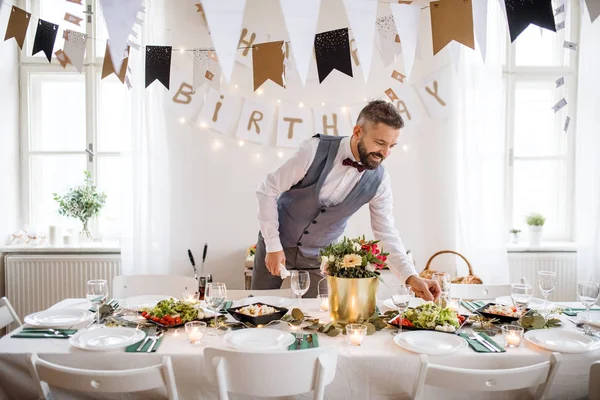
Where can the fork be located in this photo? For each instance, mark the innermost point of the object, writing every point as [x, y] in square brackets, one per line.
[151, 333]
[299, 337]
[485, 344]
[155, 340]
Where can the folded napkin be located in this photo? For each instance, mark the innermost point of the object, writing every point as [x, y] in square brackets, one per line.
[478, 347]
[41, 333]
[227, 305]
[473, 305]
[305, 344]
[113, 303]
[133, 347]
[572, 312]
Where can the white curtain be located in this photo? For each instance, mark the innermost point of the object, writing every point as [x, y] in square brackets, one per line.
[587, 139]
[480, 146]
[145, 246]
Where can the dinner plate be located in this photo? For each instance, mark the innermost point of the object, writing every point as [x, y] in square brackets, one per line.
[106, 339]
[59, 318]
[534, 303]
[274, 301]
[413, 303]
[138, 303]
[432, 343]
[259, 339]
[562, 340]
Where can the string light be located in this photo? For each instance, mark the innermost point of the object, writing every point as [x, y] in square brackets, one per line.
[217, 144]
[260, 91]
[280, 154]
[405, 147]
[257, 155]
[182, 120]
[235, 86]
[181, 51]
[279, 100]
[365, 99]
[203, 124]
[241, 143]
[301, 105]
[344, 109]
[323, 104]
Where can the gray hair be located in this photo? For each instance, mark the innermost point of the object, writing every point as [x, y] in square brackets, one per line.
[380, 111]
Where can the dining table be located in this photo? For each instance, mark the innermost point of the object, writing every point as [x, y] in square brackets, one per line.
[379, 369]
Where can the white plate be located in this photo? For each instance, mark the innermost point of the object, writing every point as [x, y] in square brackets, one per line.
[562, 340]
[269, 300]
[259, 339]
[137, 303]
[432, 343]
[413, 303]
[106, 339]
[59, 318]
[534, 303]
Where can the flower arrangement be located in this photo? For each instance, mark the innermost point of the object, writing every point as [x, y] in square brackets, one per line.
[251, 251]
[353, 258]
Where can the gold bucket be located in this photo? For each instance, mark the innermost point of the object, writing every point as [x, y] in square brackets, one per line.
[351, 300]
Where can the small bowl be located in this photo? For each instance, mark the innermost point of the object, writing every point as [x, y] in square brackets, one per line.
[260, 320]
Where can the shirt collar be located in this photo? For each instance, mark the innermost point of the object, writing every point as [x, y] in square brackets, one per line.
[346, 149]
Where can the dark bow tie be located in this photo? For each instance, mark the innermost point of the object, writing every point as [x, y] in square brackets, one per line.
[354, 164]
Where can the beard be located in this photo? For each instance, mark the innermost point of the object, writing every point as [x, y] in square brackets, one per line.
[369, 160]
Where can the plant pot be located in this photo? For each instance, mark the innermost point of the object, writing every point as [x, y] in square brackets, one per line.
[535, 235]
[514, 237]
[352, 300]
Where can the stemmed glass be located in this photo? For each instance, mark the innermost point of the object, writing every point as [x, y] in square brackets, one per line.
[401, 298]
[521, 296]
[96, 293]
[300, 283]
[216, 295]
[444, 280]
[547, 283]
[588, 293]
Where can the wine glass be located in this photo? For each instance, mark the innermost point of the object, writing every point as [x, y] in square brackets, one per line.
[444, 280]
[401, 298]
[547, 283]
[300, 283]
[216, 295]
[96, 292]
[588, 293]
[521, 296]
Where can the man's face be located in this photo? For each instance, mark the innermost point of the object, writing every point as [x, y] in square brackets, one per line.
[375, 143]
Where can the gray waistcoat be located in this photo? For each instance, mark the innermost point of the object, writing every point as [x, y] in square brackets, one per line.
[307, 224]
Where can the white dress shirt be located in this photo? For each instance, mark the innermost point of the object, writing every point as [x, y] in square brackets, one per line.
[338, 184]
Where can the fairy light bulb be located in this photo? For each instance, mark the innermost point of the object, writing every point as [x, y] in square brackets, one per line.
[323, 104]
[257, 155]
[280, 154]
[241, 143]
[405, 147]
[217, 145]
[181, 51]
[203, 124]
[182, 120]
[301, 105]
[344, 109]
[260, 91]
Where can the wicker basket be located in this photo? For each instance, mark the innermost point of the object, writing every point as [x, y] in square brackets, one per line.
[469, 279]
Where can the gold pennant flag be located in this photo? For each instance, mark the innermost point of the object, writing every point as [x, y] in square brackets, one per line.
[397, 75]
[17, 25]
[73, 19]
[391, 94]
[75, 1]
[108, 67]
[267, 63]
[62, 58]
[451, 20]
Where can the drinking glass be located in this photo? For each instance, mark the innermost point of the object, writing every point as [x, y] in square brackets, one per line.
[96, 292]
[521, 296]
[588, 293]
[547, 283]
[401, 298]
[300, 283]
[216, 295]
[444, 280]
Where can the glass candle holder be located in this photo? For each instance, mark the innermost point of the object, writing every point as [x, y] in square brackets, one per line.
[356, 334]
[191, 297]
[195, 331]
[323, 302]
[512, 335]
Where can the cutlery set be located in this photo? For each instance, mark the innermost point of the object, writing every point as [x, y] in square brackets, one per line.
[153, 336]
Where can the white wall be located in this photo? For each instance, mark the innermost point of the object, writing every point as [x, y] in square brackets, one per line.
[213, 191]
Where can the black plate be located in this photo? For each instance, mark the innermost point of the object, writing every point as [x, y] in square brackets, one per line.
[500, 318]
[220, 317]
[261, 320]
[412, 328]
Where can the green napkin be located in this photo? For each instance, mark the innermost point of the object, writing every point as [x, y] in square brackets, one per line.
[40, 333]
[133, 347]
[572, 312]
[113, 303]
[226, 306]
[304, 344]
[478, 347]
[472, 305]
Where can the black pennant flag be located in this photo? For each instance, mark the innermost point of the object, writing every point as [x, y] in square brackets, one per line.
[44, 38]
[521, 13]
[158, 64]
[332, 50]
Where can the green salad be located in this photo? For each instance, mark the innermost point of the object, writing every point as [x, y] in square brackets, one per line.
[175, 308]
[431, 316]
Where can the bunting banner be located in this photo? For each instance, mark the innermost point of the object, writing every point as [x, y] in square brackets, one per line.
[219, 112]
[521, 13]
[480, 18]
[294, 124]
[73, 19]
[332, 121]
[17, 25]
[249, 37]
[593, 7]
[45, 36]
[255, 122]
[158, 64]
[406, 18]
[62, 58]
[108, 65]
[388, 38]
[75, 43]
[120, 16]
[206, 68]
[436, 92]
[332, 50]
[267, 62]
[361, 15]
[451, 20]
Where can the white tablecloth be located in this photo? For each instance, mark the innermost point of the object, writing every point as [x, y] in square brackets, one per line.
[377, 370]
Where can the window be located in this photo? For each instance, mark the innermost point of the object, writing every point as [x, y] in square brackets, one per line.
[72, 123]
[540, 166]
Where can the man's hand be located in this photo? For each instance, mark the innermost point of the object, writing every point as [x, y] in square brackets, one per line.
[426, 289]
[272, 261]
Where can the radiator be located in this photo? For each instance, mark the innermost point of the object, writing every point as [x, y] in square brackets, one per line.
[36, 282]
[564, 264]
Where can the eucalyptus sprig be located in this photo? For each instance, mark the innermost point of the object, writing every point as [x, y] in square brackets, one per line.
[375, 323]
[534, 320]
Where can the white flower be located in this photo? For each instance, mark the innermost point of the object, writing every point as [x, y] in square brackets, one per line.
[331, 258]
[325, 258]
[356, 247]
[370, 267]
[324, 264]
[351, 260]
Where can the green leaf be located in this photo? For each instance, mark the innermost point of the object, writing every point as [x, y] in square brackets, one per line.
[370, 328]
[297, 314]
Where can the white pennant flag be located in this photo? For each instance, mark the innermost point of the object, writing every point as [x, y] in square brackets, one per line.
[224, 20]
[301, 23]
[75, 43]
[206, 68]
[480, 17]
[389, 42]
[406, 17]
[362, 15]
[454, 49]
[593, 7]
[120, 16]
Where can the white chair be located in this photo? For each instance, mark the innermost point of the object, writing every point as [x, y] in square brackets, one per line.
[8, 314]
[487, 380]
[280, 374]
[479, 292]
[594, 385]
[104, 381]
[139, 285]
[235, 294]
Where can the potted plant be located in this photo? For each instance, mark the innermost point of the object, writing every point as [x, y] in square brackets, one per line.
[514, 235]
[535, 222]
[82, 202]
[352, 271]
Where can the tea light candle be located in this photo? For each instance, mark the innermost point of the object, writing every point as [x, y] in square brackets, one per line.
[323, 302]
[356, 334]
[512, 335]
[195, 331]
[356, 339]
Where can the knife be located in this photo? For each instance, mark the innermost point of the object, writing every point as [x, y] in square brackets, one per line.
[485, 343]
[191, 257]
[203, 258]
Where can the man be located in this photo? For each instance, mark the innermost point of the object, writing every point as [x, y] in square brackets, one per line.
[304, 205]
